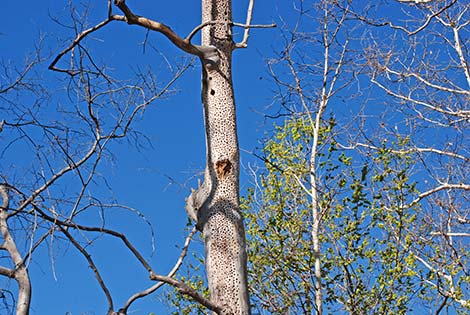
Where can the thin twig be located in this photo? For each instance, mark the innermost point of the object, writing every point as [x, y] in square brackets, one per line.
[246, 34]
[181, 43]
[187, 290]
[247, 27]
[197, 29]
[435, 190]
[407, 151]
[77, 41]
[156, 286]
[92, 266]
[73, 225]
[19, 79]
[429, 18]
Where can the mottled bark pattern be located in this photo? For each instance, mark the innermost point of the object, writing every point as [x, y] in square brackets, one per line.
[220, 217]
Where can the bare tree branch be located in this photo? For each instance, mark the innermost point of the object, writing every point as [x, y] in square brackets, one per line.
[18, 80]
[10, 273]
[187, 290]
[435, 190]
[460, 113]
[77, 41]
[450, 234]
[64, 225]
[247, 26]
[183, 44]
[93, 267]
[409, 32]
[156, 286]
[408, 151]
[20, 274]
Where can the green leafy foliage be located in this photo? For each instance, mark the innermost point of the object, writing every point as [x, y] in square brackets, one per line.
[374, 239]
[366, 265]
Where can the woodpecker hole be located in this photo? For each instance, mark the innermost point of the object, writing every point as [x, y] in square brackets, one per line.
[223, 168]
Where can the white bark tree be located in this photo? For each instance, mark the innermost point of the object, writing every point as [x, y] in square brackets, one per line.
[399, 142]
[19, 271]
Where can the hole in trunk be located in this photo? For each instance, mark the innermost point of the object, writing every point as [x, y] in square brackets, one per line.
[223, 168]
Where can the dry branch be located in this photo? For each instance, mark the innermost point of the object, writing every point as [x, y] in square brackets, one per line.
[156, 286]
[93, 267]
[20, 273]
[187, 290]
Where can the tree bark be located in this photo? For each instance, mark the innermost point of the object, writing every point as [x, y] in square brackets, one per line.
[20, 272]
[215, 204]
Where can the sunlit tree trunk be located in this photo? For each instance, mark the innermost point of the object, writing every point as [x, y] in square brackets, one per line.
[215, 204]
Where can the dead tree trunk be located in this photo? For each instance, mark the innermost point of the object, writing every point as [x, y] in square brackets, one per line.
[215, 204]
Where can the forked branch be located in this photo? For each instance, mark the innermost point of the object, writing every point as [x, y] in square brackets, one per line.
[247, 26]
[183, 44]
[187, 290]
[92, 266]
[152, 289]
[131, 18]
[20, 273]
[76, 42]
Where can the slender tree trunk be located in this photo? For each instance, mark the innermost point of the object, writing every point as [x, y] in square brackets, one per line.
[215, 204]
[20, 273]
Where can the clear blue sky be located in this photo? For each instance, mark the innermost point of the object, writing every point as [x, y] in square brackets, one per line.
[62, 282]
